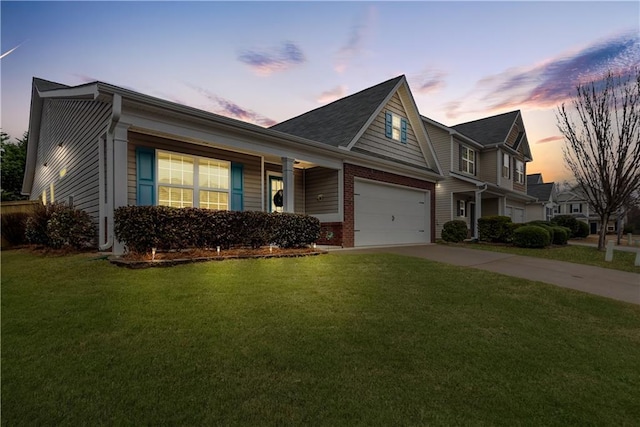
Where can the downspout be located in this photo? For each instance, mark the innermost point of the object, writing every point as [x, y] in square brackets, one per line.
[478, 208]
[107, 190]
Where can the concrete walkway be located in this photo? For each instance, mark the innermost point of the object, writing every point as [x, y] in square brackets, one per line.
[619, 285]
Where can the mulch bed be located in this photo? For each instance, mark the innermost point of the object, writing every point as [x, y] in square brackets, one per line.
[168, 259]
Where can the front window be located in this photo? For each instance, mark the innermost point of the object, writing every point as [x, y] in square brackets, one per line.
[506, 163]
[188, 181]
[468, 160]
[462, 211]
[519, 171]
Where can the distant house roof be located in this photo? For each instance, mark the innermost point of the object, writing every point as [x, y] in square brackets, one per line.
[339, 122]
[542, 192]
[534, 178]
[489, 130]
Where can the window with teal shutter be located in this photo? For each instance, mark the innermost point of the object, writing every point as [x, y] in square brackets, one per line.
[237, 187]
[145, 175]
[403, 131]
[388, 124]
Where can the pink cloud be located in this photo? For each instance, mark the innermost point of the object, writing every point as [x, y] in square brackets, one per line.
[550, 139]
[332, 94]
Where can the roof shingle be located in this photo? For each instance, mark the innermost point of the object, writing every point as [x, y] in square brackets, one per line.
[339, 122]
[489, 130]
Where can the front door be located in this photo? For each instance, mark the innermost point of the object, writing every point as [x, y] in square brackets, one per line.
[276, 196]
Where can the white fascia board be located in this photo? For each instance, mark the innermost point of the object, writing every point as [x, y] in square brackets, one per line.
[466, 178]
[82, 92]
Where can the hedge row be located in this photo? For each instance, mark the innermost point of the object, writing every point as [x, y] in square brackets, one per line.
[142, 228]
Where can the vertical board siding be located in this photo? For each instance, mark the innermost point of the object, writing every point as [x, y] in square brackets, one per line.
[77, 125]
[251, 165]
[375, 142]
[513, 135]
[321, 181]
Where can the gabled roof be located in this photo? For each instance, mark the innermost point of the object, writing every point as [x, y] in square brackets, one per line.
[534, 178]
[542, 192]
[44, 85]
[337, 123]
[489, 130]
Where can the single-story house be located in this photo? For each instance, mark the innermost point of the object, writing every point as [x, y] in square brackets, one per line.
[364, 164]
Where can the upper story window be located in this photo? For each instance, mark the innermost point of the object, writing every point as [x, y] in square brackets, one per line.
[506, 166]
[519, 172]
[188, 181]
[467, 160]
[395, 127]
[575, 207]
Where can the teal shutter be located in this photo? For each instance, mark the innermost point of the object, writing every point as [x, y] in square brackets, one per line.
[403, 131]
[145, 175]
[388, 125]
[237, 187]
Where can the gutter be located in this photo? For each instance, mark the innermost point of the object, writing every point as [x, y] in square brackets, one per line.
[116, 113]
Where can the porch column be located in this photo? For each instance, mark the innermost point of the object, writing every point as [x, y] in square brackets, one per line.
[120, 142]
[478, 213]
[288, 185]
[502, 205]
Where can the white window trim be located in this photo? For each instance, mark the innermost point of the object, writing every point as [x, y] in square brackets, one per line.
[506, 166]
[468, 162]
[462, 208]
[196, 178]
[519, 174]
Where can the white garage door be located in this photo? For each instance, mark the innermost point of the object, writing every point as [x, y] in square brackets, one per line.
[388, 215]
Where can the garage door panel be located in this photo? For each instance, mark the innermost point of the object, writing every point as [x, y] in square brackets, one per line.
[389, 215]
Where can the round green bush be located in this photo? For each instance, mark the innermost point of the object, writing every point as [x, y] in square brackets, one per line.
[454, 231]
[582, 229]
[570, 222]
[560, 235]
[531, 236]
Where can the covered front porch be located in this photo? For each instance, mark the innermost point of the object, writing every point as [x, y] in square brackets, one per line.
[469, 205]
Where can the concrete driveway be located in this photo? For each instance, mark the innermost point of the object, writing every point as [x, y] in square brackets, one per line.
[619, 285]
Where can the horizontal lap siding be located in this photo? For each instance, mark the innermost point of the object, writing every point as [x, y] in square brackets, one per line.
[298, 183]
[441, 141]
[490, 207]
[321, 181]
[251, 165]
[77, 125]
[375, 142]
[488, 166]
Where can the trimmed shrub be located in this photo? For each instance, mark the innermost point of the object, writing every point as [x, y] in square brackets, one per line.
[583, 229]
[560, 235]
[142, 228]
[71, 228]
[295, 230]
[13, 227]
[531, 236]
[546, 225]
[568, 221]
[495, 229]
[58, 226]
[454, 231]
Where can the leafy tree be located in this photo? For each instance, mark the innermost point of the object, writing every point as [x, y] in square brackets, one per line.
[13, 158]
[602, 142]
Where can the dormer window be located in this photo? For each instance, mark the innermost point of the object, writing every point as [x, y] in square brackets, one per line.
[467, 160]
[395, 127]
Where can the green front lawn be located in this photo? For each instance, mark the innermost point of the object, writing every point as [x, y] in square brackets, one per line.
[588, 255]
[339, 339]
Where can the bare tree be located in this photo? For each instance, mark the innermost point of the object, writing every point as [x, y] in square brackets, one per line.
[602, 143]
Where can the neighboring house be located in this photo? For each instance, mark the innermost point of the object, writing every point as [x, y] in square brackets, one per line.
[571, 201]
[364, 165]
[484, 164]
[543, 207]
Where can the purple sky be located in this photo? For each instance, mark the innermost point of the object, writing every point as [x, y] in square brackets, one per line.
[265, 62]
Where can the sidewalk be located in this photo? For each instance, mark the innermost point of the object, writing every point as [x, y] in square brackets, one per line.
[619, 285]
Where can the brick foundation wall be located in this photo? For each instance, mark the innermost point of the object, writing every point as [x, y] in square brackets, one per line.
[330, 234]
[353, 171]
